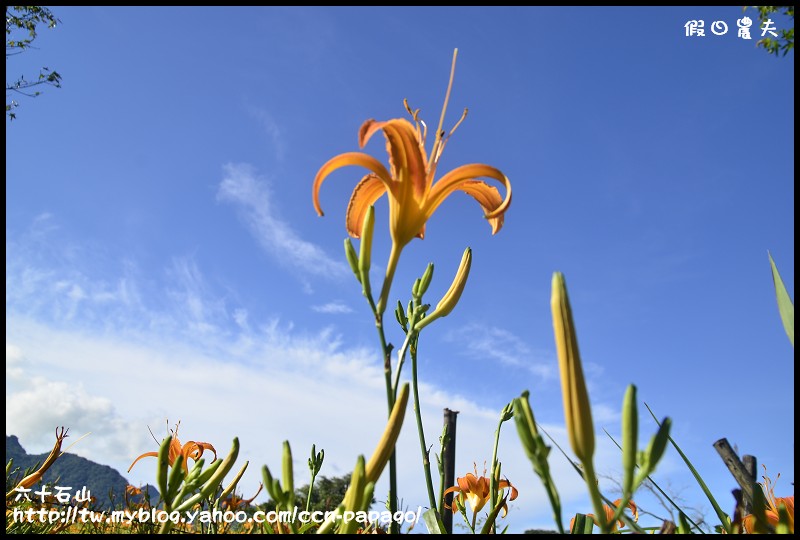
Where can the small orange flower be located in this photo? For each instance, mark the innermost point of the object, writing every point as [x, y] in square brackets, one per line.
[773, 503]
[475, 490]
[233, 501]
[191, 450]
[36, 476]
[610, 514]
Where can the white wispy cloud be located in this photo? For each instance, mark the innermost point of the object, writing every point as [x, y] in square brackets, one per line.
[36, 405]
[114, 366]
[190, 295]
[300, 389]
[482, 341]
[254, 202]
[271, 128]
[332, 308]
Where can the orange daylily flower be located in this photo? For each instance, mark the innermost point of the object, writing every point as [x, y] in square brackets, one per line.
[191, 450]
[233, 501]
[773, 503]
[36, 476]
[610, 514]
[409, 183]
[475, 490]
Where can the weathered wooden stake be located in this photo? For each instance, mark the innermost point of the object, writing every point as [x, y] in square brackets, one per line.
[750, 466]
[449, 466]
[744, 473]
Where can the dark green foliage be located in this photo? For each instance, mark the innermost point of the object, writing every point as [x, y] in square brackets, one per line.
[327, 493]
[784, 42]
[21, 31]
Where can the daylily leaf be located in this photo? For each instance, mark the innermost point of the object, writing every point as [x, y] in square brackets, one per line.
[581, 524]
[723, 517]
[433, 521]
[785, 304]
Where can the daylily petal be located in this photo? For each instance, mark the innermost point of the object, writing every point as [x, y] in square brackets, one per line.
[477, 485]
[343, 160]
[146, 454]
[367, 191]
[175, 448]
[788, 501]
[194, 451]
[488, 197]
[634, 510]
[478, 491]
[749, 523]
[506, 484]
[505, 508]
[464, 483]
[454, 489]
[406, 155]
[476, 503]
[465, 176]
[611, 510]
[202, 447]
[189, 451]
[610, 513]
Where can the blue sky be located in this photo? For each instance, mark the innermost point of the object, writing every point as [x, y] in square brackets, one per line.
[164, 260]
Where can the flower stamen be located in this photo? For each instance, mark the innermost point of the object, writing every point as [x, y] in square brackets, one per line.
[436, 152]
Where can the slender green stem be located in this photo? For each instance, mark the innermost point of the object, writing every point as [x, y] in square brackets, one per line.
[594, 492]
[492, 480]
[426, 462]
[387, 361]
[390, 398]
[401, 357]
[494, 477]
[310, 489]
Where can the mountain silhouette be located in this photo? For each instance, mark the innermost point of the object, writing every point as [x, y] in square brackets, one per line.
[105, 484]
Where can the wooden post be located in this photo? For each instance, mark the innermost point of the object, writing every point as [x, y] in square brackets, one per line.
[750, 466]
[744, 473]
[449, 466]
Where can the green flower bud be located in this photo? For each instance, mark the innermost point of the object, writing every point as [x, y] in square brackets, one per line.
[630, 427]
[365, 253]
[352, 258]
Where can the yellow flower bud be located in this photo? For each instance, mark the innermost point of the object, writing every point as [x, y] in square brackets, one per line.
[385, 447]
[453, 294]
[288, 469]
[577, 411]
